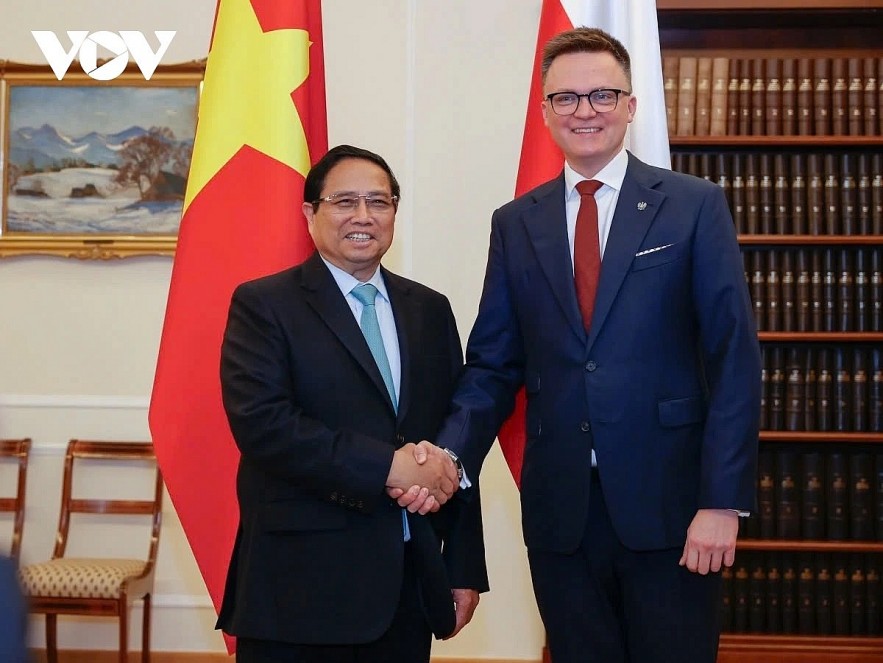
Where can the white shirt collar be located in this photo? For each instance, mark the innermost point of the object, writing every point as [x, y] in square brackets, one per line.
[346, 281]
[611, 175]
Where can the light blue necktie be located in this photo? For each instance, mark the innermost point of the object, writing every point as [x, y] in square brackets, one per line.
[366, 293]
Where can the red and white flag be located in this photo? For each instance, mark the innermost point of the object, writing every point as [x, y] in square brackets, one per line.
[261, 126]
[633, 22]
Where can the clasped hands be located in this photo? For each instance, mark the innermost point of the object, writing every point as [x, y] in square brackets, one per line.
[422, 477]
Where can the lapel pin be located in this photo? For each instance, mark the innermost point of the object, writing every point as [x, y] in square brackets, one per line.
[642, 206]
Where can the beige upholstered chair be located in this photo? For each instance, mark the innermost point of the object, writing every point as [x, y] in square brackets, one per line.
[17, 451]
[97, 585]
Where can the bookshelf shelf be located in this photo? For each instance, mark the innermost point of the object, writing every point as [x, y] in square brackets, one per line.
[812, 240]
[811, 337]
[817, 142]
[782, 545]
[801, 155]
[832, 437]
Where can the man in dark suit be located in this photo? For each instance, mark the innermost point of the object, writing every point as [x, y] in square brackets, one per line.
[326, 389]
[623, 311]
[13, 615]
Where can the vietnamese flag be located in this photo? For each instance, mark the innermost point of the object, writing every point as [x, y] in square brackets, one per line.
[261, 127]
[633, 22]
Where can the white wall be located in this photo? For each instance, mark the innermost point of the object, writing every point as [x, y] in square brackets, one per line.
[439, 87]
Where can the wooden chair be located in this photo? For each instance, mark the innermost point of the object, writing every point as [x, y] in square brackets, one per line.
[17, 450]
[98, 586]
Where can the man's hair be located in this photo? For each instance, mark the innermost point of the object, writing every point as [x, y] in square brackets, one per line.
[586, 40]
[315, 181]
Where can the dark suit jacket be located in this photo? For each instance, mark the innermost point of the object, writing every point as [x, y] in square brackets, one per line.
[666, 385]
[13, 615]
[318, 555]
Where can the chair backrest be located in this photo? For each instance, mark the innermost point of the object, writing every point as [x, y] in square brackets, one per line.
[91, 450]
[18, 451]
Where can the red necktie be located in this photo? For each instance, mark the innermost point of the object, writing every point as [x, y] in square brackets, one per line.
[586, 249]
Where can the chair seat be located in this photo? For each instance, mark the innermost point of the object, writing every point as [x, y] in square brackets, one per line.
[78, 578]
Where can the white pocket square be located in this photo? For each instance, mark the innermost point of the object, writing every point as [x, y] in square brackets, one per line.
[653, 250]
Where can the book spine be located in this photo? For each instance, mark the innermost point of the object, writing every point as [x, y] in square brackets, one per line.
[848, 195]
[766, 198]
[686, 123]
[745, 97]
[832, 195]
[845, 291]
[842, 392]
[777, 390]
[773, 593]
[758, 288]
[812, 506]
[872, 595]
[798, 194]
[859, 390]
[670, 91]
[789, 97]
[752, 194]
[829, 291]
[719, 94]
[824, 391]
[804, 97]
[855, 97]
[806, 580]
[875, 291]
[787, 291]
[803, 301]
[862, 290]
[839, 97]
[863, 195]
[758, 97]
[781, 195]
[809, 399]
[740, 595]
[722, 166]
[789, 593]
[738, 194]
[815, 194]
[878, 496]
[840, 593]
[766, 494]
[875, 397]
[860, 497]
[703, 96]
[877, 194]
[836, 498]
[787, 505]
[757, 594]
[733, 97]
[726, 616]
[822, 96]
[794, 391]
[857, 591]
[824, 595]
[869, 74]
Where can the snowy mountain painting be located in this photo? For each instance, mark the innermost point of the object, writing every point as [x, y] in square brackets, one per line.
[98, 160]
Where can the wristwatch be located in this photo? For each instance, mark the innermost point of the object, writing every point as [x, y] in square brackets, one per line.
[457, 462]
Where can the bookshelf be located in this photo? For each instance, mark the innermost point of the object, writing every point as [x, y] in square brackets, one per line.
[793, 597]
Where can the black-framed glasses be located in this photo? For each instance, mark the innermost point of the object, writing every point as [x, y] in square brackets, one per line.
[602, 100]
[348, 201]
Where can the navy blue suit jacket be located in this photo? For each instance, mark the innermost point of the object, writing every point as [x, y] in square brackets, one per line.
[665, 386]
[319, 552]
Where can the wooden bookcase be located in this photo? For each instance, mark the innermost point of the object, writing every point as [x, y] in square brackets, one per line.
[751, 29]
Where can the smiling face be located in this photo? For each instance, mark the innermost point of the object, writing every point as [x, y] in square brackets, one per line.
[354, 240]
[588, 139]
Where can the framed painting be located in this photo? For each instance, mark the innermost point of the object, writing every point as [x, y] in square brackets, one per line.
[95, 169]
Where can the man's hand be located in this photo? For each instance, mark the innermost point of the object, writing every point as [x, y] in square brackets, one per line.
[424, 466]
[417, 499]
[711, 541]
[465, 603]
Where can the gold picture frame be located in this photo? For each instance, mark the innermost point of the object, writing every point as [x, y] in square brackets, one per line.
[94, 169]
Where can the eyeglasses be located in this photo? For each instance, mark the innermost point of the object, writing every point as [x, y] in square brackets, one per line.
[348, 201]
[602, 100]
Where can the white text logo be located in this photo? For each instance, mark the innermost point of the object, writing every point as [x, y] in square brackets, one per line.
[122, 45]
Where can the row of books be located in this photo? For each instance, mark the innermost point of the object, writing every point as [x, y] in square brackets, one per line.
[721, 96]
[805, 593]
[816, 289]
[833, 193]
[817, 495]
[822, 389]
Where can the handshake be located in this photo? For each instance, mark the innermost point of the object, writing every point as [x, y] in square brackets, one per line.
[422, 477]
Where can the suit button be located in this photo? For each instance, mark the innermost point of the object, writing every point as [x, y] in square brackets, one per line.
[400, 439]
[591, 366]
[585, 427]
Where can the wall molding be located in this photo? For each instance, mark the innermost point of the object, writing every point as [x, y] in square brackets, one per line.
[74, 401]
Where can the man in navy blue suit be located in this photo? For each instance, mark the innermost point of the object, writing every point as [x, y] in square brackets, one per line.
[642, 378]
[13, 615]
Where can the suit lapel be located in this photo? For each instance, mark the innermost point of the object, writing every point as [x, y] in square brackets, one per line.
[407, 314]
[635, 211]
[546, 224]
[324, 296]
